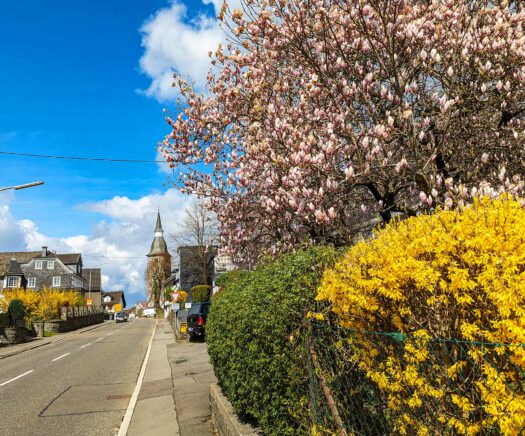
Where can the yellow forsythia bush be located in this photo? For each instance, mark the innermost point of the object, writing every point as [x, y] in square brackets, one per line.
[43, 304]
[451, 286]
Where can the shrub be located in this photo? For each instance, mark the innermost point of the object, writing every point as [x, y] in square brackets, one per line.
[229, 278]
[200, 293]
[16, 312]
[251, 333]
[441, 281]
[44, 304]
[183, 296]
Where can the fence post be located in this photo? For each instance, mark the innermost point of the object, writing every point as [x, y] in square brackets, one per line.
[332, 405]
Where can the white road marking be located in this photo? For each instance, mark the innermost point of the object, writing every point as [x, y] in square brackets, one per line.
[85, 345]
[109, 334]
[17, 377]
[123, 430]
[99, 339]
[60, 357]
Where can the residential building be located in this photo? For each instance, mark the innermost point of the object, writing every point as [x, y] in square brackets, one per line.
[222, 264]
[196, 266]
[37, 270]
[93, 279]
[109, 299]
[9, 275]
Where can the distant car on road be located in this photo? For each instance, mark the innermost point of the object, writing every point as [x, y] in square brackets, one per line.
[150, 312]
[131, 316]
[120, 317]
[197, 320]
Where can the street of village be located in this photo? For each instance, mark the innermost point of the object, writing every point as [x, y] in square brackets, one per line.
[81, 385]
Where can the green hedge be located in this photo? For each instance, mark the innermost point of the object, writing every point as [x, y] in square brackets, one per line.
[250, 331]
[229, 278]
[200, 293]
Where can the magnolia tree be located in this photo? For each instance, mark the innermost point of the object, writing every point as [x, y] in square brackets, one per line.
[320, 115]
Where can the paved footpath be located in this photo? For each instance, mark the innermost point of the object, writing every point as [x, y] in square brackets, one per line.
[174, 396]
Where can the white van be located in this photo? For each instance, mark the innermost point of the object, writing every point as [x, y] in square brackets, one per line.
[150, 312]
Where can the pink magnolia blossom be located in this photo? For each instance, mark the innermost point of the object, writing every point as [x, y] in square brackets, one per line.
[318, 115]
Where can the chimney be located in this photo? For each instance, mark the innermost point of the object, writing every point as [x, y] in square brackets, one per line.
[44, 251]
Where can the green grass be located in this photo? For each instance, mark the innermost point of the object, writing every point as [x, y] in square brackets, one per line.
[49, 334]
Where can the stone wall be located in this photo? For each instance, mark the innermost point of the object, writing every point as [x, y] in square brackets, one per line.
[224, 418]
[73, 318]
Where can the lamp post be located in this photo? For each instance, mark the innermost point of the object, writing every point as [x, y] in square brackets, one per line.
[17, 187]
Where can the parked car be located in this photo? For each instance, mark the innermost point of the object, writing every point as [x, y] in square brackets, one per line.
[120, 317]
[196, 320]
[150, 312]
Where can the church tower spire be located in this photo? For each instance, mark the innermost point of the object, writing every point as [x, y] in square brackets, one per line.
[158, 246]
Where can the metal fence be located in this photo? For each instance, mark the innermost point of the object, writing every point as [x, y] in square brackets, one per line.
[371, 383]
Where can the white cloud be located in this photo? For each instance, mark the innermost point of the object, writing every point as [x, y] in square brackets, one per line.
[117, 244]
[11, 232]
[174, 42]
[163, 167]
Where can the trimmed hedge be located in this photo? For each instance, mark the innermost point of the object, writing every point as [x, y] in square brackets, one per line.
[200, 293]
[251, 334]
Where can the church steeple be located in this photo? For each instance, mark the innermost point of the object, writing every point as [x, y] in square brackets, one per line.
[158, 246]
[158, 228]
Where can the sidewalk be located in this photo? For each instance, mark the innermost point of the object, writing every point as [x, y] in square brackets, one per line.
[192, 377]
[174, 397]
[11, 350]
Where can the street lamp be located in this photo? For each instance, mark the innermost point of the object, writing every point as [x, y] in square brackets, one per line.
[27, 185]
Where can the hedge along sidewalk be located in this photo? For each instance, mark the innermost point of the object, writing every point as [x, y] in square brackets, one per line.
[11, 350]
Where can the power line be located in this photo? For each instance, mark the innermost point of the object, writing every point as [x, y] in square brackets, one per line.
[96, 159]
[114, 257]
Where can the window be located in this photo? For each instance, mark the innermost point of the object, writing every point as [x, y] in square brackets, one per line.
[56, 282]
[12, 282]
[38, 264]
[107, 299]
[31, 282]
[51, 265]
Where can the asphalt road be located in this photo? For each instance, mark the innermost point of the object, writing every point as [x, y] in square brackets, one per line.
[78, 386]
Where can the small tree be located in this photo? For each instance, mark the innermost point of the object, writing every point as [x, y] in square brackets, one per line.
[157, 272]
[199, 230]
[17, 312]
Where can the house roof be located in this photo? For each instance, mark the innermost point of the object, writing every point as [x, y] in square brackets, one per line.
[70, 258]
[93, 278]
[171, 280]
[20, 256]
[13, 268]
[115, 297]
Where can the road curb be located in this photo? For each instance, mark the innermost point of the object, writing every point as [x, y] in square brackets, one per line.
[15, 352]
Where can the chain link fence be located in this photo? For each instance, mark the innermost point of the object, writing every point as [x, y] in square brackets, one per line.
[371, 383]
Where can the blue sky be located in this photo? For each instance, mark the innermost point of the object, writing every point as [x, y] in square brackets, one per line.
[91, 79]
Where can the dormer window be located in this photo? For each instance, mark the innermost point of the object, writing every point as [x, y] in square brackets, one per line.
[38, 264]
